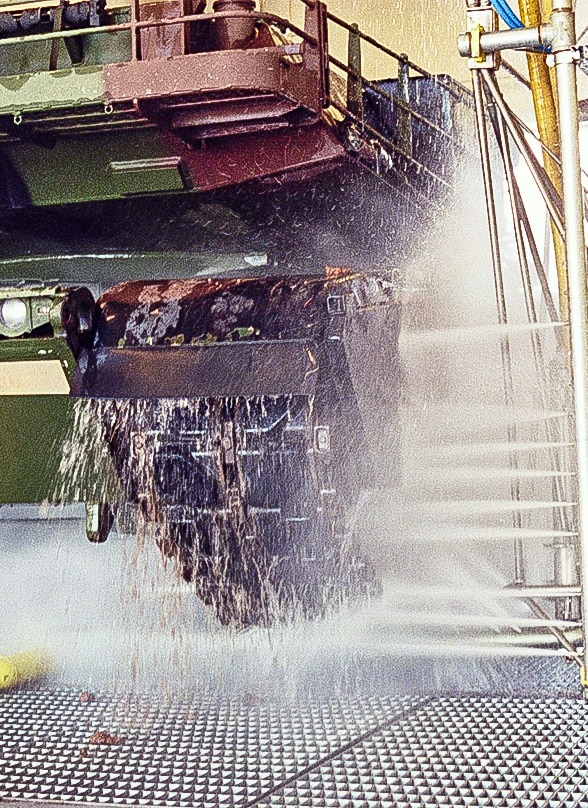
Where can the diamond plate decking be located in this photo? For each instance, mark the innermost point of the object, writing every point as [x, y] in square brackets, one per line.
[354, 752]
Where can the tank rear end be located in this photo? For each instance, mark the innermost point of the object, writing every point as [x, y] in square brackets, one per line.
[243, 417]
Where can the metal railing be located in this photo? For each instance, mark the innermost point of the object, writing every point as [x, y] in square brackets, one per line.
[407, 116]
[135, 25]
[396, 140]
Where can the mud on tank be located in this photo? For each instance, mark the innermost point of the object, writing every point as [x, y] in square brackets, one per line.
[243, 416]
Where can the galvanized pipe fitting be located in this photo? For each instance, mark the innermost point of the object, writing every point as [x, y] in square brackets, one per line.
[538, 38]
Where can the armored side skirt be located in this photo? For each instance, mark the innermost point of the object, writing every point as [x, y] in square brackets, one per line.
[274, 367]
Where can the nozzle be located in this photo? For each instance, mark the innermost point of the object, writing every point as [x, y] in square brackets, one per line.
[23, 667]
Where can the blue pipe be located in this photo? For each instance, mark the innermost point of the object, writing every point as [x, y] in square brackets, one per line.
[506, 13]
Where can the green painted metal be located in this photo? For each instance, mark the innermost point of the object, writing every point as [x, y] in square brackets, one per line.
[21, 350]
[82, 169]
[24, 57]
[32, 427]
[78, 86]
[39, 304]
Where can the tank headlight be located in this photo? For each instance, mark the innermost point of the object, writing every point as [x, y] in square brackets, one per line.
[13, 313]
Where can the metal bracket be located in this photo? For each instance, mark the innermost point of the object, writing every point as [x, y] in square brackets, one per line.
[335, 304]
[322, 439]
[479, 21]
[227, 444]
[564, 57]
[99, 521]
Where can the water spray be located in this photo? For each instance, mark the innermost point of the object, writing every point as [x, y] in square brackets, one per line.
[482, 44]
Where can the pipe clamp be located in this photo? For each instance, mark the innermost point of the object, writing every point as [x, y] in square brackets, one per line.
[563, 57]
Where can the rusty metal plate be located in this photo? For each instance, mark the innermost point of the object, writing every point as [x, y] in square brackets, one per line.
[299, 152]
[197, 73]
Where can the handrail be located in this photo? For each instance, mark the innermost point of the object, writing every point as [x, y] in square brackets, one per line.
[140, 24]
[399, 100]
[402, 58]
[353, 29]
[389, 97]
[393, 146]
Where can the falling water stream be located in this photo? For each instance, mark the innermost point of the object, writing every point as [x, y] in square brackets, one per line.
[119, 615]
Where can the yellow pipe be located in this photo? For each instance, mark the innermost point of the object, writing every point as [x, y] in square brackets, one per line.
[544, 102]
[23, 667]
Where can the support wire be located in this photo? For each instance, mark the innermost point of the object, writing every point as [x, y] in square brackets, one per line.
[548, 192]
[519, 575]
[538, 354]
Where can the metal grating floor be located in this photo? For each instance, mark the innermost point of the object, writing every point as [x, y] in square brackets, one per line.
[341, 753]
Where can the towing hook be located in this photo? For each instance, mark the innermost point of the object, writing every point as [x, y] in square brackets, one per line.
[78, 319]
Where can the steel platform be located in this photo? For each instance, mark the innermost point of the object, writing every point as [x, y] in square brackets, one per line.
[355, 752]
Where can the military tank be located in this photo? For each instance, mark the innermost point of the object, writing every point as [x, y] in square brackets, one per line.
[226, 216]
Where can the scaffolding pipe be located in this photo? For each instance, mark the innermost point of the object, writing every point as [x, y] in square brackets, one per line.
[516, 206]
[563, 20]
[558, 633]
[550, 306]
[549, 194]
[565, 567]
[538, 38]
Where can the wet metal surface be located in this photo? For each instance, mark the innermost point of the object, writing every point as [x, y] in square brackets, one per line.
[346, 753]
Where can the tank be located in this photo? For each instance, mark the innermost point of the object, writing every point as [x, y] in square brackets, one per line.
[218, 212]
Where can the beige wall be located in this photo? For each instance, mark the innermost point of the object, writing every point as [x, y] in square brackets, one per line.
[426, 30]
